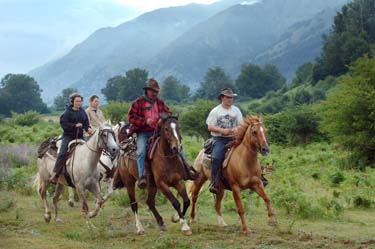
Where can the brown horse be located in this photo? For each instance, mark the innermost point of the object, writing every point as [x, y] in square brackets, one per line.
[128, 173]
[243, 170]
[167, 170]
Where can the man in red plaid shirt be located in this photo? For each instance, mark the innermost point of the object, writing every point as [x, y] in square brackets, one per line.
[143, 116]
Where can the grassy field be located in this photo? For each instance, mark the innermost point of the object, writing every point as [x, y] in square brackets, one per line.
[319, 204]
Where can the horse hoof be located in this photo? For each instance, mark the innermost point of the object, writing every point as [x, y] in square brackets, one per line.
[47, 218]
[223, 224]
[91, 215]
[58, 220]
[163, 228]
[272, 223]
[187, 232]
[192, 221]
[175, 218]
[140, 232]
[71, 203]
[247, 232]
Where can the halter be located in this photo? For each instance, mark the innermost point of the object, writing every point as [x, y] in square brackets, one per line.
[105, 149]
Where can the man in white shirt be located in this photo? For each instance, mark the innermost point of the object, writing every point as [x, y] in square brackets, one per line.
[222, 122]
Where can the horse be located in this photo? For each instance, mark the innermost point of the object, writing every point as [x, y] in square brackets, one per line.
[128, 172]
[82, 167]
[243, 170]
[167, 171]
[106, 165]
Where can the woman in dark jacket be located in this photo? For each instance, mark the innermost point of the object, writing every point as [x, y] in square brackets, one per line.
[73, 121]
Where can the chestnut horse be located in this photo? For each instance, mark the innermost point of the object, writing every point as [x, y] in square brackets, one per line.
[243, 170]
[167, 170]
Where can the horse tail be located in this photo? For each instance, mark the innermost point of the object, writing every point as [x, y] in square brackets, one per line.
[199, 168]
[36, 182]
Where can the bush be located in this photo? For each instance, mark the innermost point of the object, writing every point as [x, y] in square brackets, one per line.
[116, 111]
[28, 119]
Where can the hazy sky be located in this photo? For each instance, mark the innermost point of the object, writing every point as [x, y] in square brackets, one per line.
[33, 32]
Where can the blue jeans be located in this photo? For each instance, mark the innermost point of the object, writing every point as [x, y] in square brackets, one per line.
[142, 139]
[62, 153]
[218, 155]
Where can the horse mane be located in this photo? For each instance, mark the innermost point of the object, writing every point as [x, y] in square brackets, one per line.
[248, 120]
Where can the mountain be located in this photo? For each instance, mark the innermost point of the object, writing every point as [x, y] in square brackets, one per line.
[185, 41]
[110, 51]
[301, 43]
[241, 34]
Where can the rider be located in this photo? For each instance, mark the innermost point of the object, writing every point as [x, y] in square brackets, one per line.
[222, 122]
[94, 114]
[72, 121]
[143, 116]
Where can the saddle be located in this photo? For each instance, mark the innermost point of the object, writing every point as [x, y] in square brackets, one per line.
[48, 145]
[129, 147]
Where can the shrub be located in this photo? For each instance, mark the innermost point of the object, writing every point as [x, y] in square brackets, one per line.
[27, 119]
[116, 111]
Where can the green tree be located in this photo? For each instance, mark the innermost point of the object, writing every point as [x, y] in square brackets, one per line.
[173, 90]
[112, 88]
[116, 111]
[20, 93]
[352, 36]
[255, 81]
[62, 100]
[303, 75]
[193, 122]
[132, 87]
[214, 80]
[348, 113]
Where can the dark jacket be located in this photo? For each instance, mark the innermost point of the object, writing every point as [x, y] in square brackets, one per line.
[70, 118]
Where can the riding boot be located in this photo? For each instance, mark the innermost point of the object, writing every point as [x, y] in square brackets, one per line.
[142, 181]
[189, 172]
[214, 186]
[56, 174]
[264, 180]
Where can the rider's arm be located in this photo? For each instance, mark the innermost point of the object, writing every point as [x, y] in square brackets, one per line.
[133, 115]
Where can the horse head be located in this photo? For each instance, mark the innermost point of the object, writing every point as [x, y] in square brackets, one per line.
[170, 131]
[124, 131]
[256, 132]
[107, 140]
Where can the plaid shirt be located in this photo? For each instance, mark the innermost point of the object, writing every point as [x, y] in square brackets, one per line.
[136, 114]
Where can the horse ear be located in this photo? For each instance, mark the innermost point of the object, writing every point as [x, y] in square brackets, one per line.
[109, 122]
[176, 115]
[163, 116]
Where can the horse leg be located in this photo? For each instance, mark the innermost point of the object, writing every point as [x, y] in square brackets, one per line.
[237, 198]
[56, 197]
[218, 200]
[43, 194]
[197, 185]
[134, 206]
[259, 189]
[82, 200]
[95, 189]
[176, 204]
[109, 189]
[182, 191]
[71, 197]
[151, 193]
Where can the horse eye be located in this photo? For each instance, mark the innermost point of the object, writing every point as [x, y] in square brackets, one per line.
[254, 132]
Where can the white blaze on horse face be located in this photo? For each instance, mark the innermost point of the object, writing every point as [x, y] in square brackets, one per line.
[262, 131]
[174, 129]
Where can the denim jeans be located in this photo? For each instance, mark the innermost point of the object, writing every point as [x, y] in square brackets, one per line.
[62, 153]
[142, 139]
[218, 154]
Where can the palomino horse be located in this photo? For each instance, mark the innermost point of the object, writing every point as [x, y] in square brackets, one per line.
[128, 173]
[243, 170]
[82, 167]
[167, 169]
